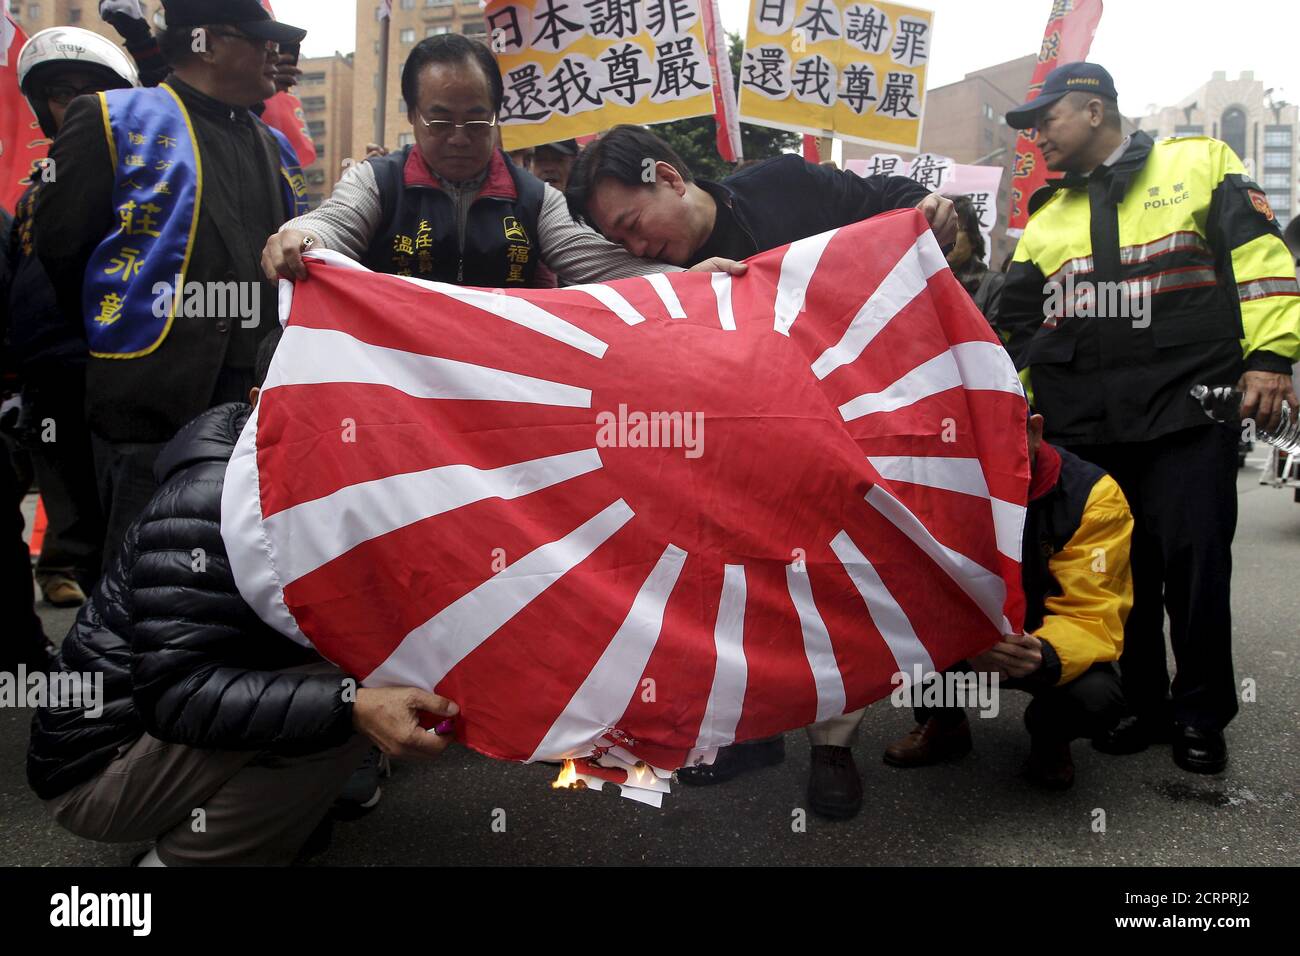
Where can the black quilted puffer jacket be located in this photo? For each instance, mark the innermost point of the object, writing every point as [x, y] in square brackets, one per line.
[183, 657]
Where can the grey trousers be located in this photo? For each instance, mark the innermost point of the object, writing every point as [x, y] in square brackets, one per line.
[836, 731]
[209, 807]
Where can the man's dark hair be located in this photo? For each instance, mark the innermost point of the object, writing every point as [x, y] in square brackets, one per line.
[449, 48]
[1112, 118]
[620, 155]
[176, 44]
[968, 220]
[265, 352]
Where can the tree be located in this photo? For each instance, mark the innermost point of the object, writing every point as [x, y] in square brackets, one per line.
[695, 140]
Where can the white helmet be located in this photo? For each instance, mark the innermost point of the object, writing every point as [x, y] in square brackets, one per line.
[71, 47]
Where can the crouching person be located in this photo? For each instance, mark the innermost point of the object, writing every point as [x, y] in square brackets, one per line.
[1078, 592]
[220, 739]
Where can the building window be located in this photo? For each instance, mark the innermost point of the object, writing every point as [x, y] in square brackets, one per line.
[437, 3]
[474, 28]
[1274, 181]
[401, 105]
[408, 35]
[1234, 129]
[313, 79]
[1194, 129]
[405, 139]
[408, 4]
[33, 11]
[74, 16]
[988, 111]
[1277, 135]
[436, 31]
[317, 129]
[1277, 159]
[313, 103]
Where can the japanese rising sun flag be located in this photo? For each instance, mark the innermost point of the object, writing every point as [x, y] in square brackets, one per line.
[645, 518]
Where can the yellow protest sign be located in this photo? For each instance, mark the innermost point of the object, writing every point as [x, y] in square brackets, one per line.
[844, 68]
[576, 67]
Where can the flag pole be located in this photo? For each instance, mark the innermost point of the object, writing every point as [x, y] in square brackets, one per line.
[381, 108]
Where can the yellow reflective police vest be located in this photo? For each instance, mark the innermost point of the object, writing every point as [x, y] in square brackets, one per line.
[1131, 285]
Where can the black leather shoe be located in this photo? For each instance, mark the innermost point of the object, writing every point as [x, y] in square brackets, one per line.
[1133, 735]
[834, 787]
[1200, 751]
[733, 761]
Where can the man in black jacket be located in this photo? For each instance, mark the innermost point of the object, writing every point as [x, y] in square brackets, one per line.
[632, 187]
[219, 738]
[139, 395]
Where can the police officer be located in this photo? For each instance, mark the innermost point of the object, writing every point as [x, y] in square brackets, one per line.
[1146, 269]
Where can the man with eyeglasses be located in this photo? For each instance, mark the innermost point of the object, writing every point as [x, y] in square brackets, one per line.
[180, 182]
[452, 207]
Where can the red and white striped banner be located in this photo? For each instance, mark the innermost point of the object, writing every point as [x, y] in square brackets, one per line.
[487, 494]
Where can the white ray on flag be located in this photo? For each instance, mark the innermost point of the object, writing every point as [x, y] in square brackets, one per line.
[816, 645]
[530, 316]
[612, 300]
[611, 684]
[429, 652]
[963, 475]
[886, 613]
[981, 585]
[721, 282]
[797, 268]
[667, 294]
[730, 671]
[323, 529]
[978, 366]
[908, 279]
[322, 356]
[1009, 527]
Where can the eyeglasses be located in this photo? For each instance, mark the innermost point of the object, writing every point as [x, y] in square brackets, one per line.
[63, 94]
[471, 127]
[235, 35]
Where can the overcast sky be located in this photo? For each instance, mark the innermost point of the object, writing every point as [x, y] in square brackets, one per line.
[1158, 50]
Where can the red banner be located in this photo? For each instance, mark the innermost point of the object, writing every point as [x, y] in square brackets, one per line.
[1067, 39]
[512, 500]
[725, 116]
[22, 144]
[284, 112]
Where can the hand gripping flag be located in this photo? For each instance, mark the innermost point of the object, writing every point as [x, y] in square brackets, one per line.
[653, 516]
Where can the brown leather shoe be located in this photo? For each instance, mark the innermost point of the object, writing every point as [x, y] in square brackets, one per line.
[61, 591]
[1050, 765]
[929, 743]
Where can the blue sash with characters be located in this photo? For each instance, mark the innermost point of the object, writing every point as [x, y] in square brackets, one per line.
[136, 277]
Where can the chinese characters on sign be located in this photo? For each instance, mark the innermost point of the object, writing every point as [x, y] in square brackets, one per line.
[940, 174]
[575, 67]
[846, 68]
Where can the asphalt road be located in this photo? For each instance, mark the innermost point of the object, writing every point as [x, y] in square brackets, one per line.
[977, 811]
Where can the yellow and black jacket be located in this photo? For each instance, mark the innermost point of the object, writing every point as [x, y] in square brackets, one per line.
[1181, 219]
[1075, 569]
